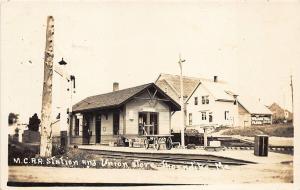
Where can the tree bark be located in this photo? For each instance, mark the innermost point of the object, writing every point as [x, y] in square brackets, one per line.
[46, 129]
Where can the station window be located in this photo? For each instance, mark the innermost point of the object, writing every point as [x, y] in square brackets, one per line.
[148, 123]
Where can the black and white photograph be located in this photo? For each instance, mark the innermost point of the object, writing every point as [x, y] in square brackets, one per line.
[149, 94]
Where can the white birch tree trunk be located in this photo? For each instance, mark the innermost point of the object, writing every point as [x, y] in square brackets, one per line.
[46, 128]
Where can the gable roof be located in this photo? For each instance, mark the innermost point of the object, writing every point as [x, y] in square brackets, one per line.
[253, 106]
[220, 90]
[174, 81]
[117, 99]
[164, 85]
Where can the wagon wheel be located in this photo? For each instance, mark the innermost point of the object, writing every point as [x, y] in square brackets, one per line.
[146, 143]
[169, 143]
[155, 143]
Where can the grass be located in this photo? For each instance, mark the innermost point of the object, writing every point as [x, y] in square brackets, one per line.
[221, 128]
[277, 130]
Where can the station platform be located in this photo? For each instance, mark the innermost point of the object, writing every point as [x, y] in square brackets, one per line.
[245, 155]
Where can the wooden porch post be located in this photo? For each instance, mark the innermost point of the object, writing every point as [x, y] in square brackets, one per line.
[80, 118]
[205, 136]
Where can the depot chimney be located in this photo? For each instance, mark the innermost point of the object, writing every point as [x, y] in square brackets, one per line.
[215, 78]
[115, 86]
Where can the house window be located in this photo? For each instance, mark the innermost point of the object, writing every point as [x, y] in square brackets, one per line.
[196, 100]
[190, 119]
[203, 115]
[210, 117]
[226, 114]
[205, 100]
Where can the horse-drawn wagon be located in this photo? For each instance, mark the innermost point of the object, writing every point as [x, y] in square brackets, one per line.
[156, 140]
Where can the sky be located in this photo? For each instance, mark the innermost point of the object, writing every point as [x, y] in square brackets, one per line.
[254, 46]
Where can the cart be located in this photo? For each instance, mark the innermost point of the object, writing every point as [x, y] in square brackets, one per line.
[156, 140]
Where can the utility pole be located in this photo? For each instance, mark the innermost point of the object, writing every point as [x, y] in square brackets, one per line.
[46, 128]
[292, 90]
[182, 122]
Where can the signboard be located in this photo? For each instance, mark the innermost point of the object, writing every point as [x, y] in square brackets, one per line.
[260, 120]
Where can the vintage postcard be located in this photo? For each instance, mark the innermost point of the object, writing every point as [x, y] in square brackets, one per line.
[149, 93]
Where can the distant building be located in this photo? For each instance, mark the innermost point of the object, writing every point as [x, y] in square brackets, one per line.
[130, 112]
[17, 130]
[253, 112]
[211, 102]
[279, 114]
[22, 128]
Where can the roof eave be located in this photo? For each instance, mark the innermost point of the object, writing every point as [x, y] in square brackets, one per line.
[98, 108]
[224, 100]
[193, 92]
[261, 113]
[174, 106]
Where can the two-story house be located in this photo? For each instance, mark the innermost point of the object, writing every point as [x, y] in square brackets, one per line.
[212, 102]
[208, 102]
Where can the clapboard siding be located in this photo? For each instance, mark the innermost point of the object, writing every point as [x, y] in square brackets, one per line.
[139, 105]
[107, 124]
[244, 117]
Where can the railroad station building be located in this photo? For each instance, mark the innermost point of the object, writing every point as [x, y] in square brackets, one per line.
[130, 112]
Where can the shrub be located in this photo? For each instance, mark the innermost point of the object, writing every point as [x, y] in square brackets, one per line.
[20, 150]
[249, 132]
[12, 118]
[279, 130]
[57, 150]
[34, 123]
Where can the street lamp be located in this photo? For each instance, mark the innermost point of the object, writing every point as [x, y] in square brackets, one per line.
[66, 103]
[62, 62]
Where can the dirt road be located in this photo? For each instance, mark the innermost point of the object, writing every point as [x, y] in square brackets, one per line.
[253, 173]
